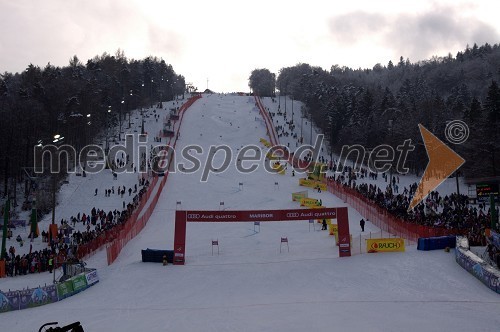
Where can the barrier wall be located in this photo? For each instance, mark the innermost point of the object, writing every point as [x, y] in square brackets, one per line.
[35, 297]
[135, 224]
[156, 256]
[477, 267]
[436, 243]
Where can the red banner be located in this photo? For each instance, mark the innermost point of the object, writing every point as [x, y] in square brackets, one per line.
[182, 217]
[260, 215]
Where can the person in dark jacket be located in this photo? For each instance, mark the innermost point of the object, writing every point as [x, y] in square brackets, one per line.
[324, 225]
[362, 224]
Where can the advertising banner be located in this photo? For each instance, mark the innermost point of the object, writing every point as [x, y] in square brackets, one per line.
[476, 266]
[309, 202]
[51, 292]
[265, 142]
[333, 229]
[306, 182]
[385, 245]
[79, 282]
[65, 289]
[259, 215]
[35, 297]
[92, 277]
[279, 168]
[312, 184]
[298, 195]
[9, 301]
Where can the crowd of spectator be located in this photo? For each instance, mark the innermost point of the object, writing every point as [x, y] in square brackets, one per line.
[64, 247]
[453, 211]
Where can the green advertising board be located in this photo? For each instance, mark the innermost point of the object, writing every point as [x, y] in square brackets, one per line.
[65, 289]
[79, 282]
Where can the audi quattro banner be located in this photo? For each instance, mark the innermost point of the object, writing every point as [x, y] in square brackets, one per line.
[260, 215]
[385, 245]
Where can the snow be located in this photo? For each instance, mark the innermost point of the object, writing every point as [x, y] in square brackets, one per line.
[250, 285]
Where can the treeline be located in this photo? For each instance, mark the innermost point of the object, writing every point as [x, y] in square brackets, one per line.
[385, 104]
[77, 102]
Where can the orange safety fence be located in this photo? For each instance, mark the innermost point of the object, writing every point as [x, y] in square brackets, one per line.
[135, 224]
[268, 121]
[2, 268]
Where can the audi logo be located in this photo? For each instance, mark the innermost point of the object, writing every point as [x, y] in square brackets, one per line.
[193, 216]
[292, 214]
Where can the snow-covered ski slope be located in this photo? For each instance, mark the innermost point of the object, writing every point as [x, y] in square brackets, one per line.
[250, 285]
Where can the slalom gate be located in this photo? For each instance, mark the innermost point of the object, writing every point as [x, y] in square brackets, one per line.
[183, 217]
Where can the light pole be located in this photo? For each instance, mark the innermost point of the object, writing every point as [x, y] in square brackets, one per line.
[86, 130]
[129, 110]
[57, 141]
[120, 118]
[301, 124]
[108, 114]
[142, 125]
[285, 105]
[311, 120]
[391, 130]
[151, 93]
[279, 100]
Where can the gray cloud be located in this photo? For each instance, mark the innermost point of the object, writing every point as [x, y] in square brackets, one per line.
[54, 31]
[349, 28]
[164, 41]
[416, 36]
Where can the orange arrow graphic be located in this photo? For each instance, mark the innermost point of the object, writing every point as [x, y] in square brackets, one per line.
[443, 161]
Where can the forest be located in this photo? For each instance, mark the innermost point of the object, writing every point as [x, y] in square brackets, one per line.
[385, 104]
[79, 102]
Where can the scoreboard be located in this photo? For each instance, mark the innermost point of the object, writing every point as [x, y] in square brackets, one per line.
[484, 190]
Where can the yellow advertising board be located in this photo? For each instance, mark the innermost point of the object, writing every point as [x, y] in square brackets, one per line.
[265, 142]
[385, 245]
[309, 202]
[298, 195]
[333, 229]
[280, 168]
[317, 171]
[270, 156]
[321, 186]
[306, 182]
[312, 184]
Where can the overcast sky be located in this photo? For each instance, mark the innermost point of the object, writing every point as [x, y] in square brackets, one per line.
[223, 41]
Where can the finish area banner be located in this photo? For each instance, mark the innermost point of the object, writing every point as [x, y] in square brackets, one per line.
[260, 215]
[385, 245]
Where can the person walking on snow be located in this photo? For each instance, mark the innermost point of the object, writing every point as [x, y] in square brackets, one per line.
[362, 224]
[323, 228]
